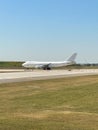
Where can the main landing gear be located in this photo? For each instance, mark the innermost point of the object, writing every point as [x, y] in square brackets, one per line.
[48, 68]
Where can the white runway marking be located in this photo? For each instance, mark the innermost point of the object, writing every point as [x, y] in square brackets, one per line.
[20, 75]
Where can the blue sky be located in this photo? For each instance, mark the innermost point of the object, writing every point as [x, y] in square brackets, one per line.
[48, 30]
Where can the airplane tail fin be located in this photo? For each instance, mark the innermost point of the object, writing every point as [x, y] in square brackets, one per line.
[73, 57]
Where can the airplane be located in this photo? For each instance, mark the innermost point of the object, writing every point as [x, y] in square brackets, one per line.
[50, 65]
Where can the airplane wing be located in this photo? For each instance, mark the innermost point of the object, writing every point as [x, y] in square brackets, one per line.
[46, 66]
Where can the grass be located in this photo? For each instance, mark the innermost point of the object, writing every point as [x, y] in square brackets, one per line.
[10, 65]
[57, 104]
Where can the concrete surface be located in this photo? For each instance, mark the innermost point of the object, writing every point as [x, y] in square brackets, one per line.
[21, 75]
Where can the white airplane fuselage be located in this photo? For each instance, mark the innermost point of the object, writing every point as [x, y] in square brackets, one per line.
[49, 65]
[35, 64]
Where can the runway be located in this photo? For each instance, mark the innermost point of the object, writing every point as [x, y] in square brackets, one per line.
[7, 76]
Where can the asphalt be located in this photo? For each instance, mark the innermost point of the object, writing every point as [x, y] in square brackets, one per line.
[7, 76]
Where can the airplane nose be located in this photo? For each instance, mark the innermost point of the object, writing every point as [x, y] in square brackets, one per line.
[23, 64]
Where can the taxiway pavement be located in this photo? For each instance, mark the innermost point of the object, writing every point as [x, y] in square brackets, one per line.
[21, 75]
